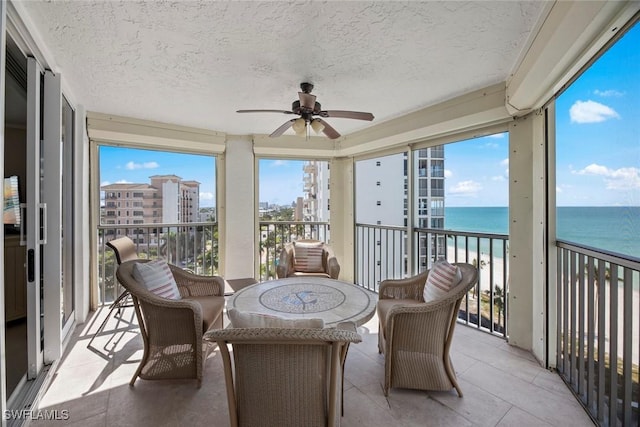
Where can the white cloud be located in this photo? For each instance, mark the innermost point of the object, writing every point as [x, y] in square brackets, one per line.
[448, 173]
[103, 183]
[561, 188]
[624, 179]
[498, 178]
[278, 163]
[123, 181]
[608, 93]
[496, 135]
[205, 195]
[147, 165]
[616, 179]
[594, 169]
[491, 145]
[466, 187]
[505, 162]
[591, 112]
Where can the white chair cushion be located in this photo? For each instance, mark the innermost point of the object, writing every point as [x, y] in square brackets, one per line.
[442, 277]
[156, 276]
[308, 257]
[241, 319]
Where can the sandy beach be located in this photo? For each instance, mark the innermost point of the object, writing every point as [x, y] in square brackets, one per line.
[486, 267]
[616, 312]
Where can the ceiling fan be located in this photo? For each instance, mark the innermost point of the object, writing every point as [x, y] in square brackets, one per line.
[310, 114]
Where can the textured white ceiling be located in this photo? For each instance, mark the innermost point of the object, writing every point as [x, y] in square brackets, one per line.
[195, 63]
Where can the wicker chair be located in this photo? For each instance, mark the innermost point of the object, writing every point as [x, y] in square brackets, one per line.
[287, 267]
[284, 377]
[172, 330]
[415, 336]
[125, 250]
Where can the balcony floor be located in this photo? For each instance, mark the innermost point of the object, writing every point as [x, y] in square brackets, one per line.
[502, 386]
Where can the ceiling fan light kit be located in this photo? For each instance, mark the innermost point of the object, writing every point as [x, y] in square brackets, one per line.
[299, 126]
[307, 108]
[317, 126]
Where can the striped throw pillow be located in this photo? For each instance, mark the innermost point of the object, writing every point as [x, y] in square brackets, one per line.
[308, 257]
[442, 278]
[156, 276]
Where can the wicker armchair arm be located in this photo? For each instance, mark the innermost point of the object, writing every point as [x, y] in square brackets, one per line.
[408, 288]
[175, 305]
[333, 268]
[150, 302]
[426, 307]
[196, 285]
[285, 262]
[347, 326]
[152, 299]
[293, 335]
[330, 262]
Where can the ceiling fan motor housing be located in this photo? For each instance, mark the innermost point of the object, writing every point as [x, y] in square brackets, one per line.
[295, 107]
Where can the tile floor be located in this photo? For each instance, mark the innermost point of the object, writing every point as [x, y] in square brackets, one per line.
[502, 386]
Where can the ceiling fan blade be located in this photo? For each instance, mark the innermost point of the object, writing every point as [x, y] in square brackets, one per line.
[265, 111]
[328, 130]
[347, 114]
[307, 100]
[281, 129]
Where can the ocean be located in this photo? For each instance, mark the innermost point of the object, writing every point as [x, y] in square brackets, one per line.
[615, 229]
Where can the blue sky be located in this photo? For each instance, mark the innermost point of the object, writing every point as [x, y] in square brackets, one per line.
[598, 131]
[598, 149]
[598, 141]
[280, 181]
[477, 172]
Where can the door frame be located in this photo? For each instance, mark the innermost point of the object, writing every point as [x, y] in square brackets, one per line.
[3, 53]
[35, 360]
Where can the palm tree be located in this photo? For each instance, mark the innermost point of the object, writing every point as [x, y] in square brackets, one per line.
[208, 257]
[268, 251]
[498, 302]
[596, 281]
[109, 273]
[483, 264]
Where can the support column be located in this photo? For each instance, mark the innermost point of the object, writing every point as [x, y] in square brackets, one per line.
[341, 215]
[526, 299]
[237, 214]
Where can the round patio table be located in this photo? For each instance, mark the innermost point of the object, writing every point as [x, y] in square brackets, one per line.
[332, 300]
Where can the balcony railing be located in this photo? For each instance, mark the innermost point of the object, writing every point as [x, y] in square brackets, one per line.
[598, 335]
[381, 253]
[274, 235]
[191, 245]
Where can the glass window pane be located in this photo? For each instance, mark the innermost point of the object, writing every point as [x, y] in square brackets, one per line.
[598, 152]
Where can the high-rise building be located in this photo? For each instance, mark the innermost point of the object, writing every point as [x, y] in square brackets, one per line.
[383, 200]
[166, 200]
[315, 204]
[429, 184]
[190, 193]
